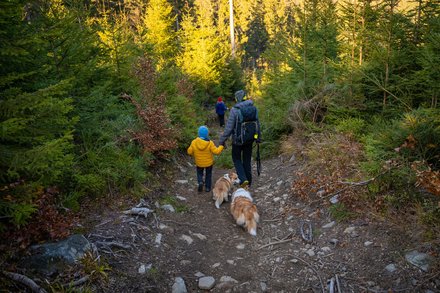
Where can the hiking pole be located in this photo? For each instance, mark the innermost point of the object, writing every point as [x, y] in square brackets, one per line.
[258, 160]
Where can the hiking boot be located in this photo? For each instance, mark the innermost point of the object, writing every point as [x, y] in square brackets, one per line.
[244, 184]
[207, 189]
[200, 188]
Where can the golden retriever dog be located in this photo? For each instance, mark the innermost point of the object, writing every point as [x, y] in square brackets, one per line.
[245, 211]
[222, 187]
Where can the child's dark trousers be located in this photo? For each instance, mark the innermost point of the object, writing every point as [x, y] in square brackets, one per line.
[208, 177]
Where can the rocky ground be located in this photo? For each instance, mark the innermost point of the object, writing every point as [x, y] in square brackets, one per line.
[185, 243]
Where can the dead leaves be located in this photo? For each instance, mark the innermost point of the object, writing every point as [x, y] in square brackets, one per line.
[156, 135]
[47, 223]
[427, 178]
[331, 159]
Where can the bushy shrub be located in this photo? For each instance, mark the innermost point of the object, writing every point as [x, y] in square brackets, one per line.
[392, 148]
[416, 136]
[36, 144]
[154, 131]
[352, 126]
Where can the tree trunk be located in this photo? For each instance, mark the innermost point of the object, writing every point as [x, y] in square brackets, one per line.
[388, 53]
[417, 23]
[231, 26]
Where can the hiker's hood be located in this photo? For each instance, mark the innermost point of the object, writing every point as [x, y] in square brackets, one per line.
[244, 104]
[201, 144]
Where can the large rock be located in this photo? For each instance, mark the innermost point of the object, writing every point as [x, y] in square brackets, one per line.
[179, 286]
[50, 258]
[206, 283]
[421, 260]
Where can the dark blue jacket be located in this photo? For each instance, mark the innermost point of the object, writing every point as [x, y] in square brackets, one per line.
[220, 108]
[232, 120]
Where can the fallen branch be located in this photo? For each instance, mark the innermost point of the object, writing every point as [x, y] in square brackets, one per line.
[103, 223]
[138, 211]
[286, 239]
[349, 185]
[313, 269]
[139, 226]
[100, 236]
[24, 281]
[113, 243]
[338, 285]
[77, 282]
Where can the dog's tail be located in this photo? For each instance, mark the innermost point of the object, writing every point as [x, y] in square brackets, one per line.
[252, 219]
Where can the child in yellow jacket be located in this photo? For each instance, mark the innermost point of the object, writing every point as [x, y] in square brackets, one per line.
[203, 150]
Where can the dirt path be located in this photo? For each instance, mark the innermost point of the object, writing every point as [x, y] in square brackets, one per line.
[364, 255]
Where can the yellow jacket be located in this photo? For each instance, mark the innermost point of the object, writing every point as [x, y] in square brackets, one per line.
[203, 152]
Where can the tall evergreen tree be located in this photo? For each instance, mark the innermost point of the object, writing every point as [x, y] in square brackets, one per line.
[36, 141]
[203, 57]
[257, 38]
[159, 22]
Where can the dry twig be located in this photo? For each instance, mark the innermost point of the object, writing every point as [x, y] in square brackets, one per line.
[113, 243]
[286, 239]
[313, 269]
[77, 282]
[22, 279]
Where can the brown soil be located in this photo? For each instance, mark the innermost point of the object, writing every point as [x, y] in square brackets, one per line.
[278, 259]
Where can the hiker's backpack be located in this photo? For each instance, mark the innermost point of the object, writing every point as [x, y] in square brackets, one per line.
[246, 125]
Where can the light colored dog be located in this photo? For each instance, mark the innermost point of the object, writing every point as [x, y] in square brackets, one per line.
[245, 211]
[222, 187]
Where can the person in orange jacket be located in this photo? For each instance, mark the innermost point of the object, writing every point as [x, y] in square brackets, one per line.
[203, 150]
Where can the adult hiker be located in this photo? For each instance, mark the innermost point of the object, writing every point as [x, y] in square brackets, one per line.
[220, 109]
[244, 126]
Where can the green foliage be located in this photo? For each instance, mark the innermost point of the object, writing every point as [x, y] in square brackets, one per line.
[430, 216]
[160, 35]
[203, 57]
[36, 137]
[183, 117]
[393, 146]
[387, 140]
[178, 206]
[19, 212]
[95, 267]
[63, 67]
[224, 160]
[352, 126]
[340, 212]
[280, 94]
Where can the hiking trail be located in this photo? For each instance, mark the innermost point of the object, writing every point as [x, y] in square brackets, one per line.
[197, 239]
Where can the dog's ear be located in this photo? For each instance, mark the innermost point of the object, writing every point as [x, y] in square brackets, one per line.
[226, 176]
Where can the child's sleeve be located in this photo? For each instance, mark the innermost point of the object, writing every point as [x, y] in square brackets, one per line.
[190, 150]
[216, 150]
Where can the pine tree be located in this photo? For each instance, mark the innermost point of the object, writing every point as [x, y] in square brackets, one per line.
[257, 38]
[159, 22]
[36, 141]
[203, 57]
[426, 41]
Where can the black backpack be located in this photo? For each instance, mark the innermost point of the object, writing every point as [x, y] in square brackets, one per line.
[246, 125]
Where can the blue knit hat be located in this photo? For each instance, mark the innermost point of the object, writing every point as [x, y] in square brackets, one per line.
[203, 132]
[240, 96]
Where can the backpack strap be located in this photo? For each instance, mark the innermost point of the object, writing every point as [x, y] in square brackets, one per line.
[239, 114]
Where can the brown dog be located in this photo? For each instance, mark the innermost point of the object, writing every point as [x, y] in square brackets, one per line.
[222, 188]
[245, 211]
